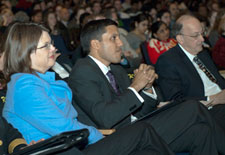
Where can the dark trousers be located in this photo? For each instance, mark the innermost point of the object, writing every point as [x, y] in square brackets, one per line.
[218, 113]
[187, 127]
[218, 125]
[136, 139]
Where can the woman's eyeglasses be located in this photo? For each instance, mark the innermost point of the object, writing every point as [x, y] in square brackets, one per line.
[47, 45]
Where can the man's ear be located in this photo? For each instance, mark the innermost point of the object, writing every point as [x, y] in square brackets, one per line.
[180, 39]
[95, 44]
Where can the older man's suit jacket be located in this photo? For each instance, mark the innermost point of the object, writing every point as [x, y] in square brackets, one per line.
[93, 93]
[178, 77]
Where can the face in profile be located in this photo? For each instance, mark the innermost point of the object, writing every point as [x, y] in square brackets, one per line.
[166, 18]
[110, 46]
[52, 19]
[192, 36]
[153, 13]
[142, 26]
[163, 33]
[37, 18]
[44, 57]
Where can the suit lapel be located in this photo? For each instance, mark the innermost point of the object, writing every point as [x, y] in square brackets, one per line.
[187, 64]
[99, 72]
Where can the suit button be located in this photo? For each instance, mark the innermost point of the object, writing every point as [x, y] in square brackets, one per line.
[1, 142]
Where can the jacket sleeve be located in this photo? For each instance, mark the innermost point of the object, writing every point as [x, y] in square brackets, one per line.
[14, 140]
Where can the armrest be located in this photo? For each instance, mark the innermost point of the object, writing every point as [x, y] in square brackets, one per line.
[107, 132]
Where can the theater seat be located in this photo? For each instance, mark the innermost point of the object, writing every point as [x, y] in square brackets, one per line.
[144, 52]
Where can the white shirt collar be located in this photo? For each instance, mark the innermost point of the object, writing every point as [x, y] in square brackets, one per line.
[64, 23]
[103, 67]
[189, 55]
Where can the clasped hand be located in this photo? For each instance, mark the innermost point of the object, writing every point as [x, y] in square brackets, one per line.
[144, 77]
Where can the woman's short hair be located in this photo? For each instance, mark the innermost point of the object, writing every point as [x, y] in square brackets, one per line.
[22, 39]
[137, 19]
[161, 13]
[156, 25]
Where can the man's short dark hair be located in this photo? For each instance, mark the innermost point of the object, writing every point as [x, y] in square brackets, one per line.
[93, 30]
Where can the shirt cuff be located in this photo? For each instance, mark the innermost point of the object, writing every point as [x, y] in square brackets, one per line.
[136, 93]
[153, 95]
[15, 143]
[208, 98]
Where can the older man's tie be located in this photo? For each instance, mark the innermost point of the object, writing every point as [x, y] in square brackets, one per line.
[204, 69]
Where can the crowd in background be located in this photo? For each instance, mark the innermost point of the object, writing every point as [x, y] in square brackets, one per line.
[139, 21]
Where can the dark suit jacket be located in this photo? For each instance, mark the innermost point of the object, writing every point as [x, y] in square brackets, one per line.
[66, 35]
[9, 135]
[94, 96]
[178, 77]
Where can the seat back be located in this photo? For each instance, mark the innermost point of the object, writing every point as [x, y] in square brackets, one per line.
[144, 52]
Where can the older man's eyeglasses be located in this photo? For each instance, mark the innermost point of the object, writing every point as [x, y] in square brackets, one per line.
[195, 36]
[47, 45]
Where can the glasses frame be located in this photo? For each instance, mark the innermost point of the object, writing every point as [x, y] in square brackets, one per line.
[195, 36]
[47, 45]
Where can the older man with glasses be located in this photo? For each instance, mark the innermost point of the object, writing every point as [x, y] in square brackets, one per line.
[188, 72]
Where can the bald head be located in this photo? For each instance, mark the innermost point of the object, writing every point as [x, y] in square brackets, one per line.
[184, 18]
[182, 21]
[187, 21]
[188, 31]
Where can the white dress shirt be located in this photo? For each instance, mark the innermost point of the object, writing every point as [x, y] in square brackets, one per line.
[210, 87]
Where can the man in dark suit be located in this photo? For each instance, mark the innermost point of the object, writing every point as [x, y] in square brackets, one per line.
[180, 77]
[113, 102]
[64, 30]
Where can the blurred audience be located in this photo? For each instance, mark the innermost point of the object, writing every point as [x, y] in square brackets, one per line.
[218, 52]
[139, 32]
[36, 16]
[160, 41]
[214, 21]
[164, 15]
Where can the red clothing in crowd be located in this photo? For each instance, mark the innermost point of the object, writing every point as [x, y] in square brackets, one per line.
[156, 48]
[24, 4]
[218, 53]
